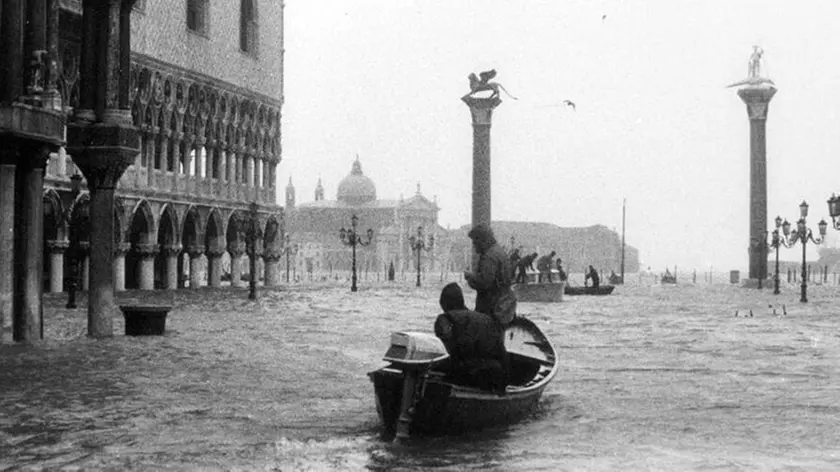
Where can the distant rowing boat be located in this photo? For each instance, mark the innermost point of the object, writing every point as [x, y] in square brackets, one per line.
[547, 293]
[601, 290]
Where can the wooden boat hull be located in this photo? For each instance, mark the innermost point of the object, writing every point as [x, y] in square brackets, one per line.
[442, 407]
[548, 293]
[601, 290]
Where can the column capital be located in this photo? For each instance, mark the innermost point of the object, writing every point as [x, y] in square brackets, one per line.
[757, 100]
[216, 252]
[236, 249]
[84, 246]
[171, 249]
[102, 152]
[58, 246]
[272, 256]
[481, 109]
[195, 250]
[147, 249]
[122, 248]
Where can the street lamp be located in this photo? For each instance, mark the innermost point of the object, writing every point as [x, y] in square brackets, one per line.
[418, 243]
[776, 243]
[252, 237]
[834, 210]
[289, 249]
[351, 237]
[802, 234]
[75, 189]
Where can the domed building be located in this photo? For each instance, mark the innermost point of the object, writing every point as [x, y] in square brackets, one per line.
[313, 228]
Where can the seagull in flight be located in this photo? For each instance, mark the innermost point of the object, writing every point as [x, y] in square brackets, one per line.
[570, 104]
[603, 17]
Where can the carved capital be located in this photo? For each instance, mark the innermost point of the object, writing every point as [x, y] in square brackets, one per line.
[757, 100]
[147, 250]
[172, 250]
[102, 152]
[236, 249]
[58, 246]
[216, 252]
[84, 247]
[121, 249]
[272, 256]
[481, 109]
[195, 250]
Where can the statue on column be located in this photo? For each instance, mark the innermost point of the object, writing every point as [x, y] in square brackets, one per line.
[754, 77]
[482, 83]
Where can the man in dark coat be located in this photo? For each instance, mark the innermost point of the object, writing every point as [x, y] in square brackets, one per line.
[474, 341]
[593, 274]
[524, 264]
[561, 274]
[544, 264]
[491, 281]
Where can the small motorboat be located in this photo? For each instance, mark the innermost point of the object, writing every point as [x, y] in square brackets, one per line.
[540, 292]
[415, 397]
[601, 290]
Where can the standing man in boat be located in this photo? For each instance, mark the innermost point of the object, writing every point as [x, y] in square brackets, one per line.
[561, 274]
[523, 265]
[475, 343]
[593, 274]
[544, 266]
[491, 281]
[514, 261]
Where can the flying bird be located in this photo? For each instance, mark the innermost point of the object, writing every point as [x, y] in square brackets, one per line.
[603, 17]
[570, 104]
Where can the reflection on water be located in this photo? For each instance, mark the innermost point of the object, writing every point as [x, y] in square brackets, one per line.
[651, 378]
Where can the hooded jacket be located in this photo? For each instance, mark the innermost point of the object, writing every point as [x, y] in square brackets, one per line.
[493, 274]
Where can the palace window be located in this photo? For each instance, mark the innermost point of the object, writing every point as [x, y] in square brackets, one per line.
[248, 26]
[197, 16]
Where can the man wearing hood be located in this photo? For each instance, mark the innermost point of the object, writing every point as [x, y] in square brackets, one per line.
[492, 279]
[474, 341]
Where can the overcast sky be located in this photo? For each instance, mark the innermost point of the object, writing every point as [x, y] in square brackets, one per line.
[655, 123]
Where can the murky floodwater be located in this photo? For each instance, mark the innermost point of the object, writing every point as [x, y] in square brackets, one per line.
[662, 378]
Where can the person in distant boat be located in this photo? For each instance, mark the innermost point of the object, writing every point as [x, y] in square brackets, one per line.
[524, 264]
[475, 343]
[561, 274]
[491, 281]
[544, 264]
[593, 274]
[514, 261]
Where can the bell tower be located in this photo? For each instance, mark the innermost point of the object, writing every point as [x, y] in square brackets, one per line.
[319, 191]
[290, 195]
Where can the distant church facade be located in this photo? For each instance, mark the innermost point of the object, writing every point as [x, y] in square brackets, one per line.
[313, 228]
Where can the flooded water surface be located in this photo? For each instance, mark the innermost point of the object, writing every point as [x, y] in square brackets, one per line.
[651, 378]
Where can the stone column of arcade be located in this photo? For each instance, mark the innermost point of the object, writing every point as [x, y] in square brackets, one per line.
[214, 266]
[84, 266]
[481, 110]
[147, 252]
[195, 253]
[103, 141]
[120, 250]
[7, 240]
[756, 92]
[57, 249]
[236, 252]
[172, 251]
[271, 260]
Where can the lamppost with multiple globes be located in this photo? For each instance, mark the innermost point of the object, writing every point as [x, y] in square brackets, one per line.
[803, 234]
[289, 249]
[73, 256]
[418, 244]
[776, 243]
[834, 210]
[351, 237]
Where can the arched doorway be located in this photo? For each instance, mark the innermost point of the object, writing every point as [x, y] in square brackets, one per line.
[188, 261]
[140, 237]
[167, 240]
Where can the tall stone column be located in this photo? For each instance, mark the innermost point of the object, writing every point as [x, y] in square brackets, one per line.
[271, 261]
[214, 267]
[236, 253]
[57, 249]
[481, 110]
[147, 265]
[172, 252]
[195, 253]
[103, 141]
[120, 250]
[7, 240]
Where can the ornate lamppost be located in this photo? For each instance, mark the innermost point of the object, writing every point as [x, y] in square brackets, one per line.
[834, 211]
[351, 237]
[803, 234]
[253, 232]
[75, 189]
[417, 244]
[776, 243]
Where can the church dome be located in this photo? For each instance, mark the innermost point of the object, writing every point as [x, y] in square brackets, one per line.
[356, 188]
